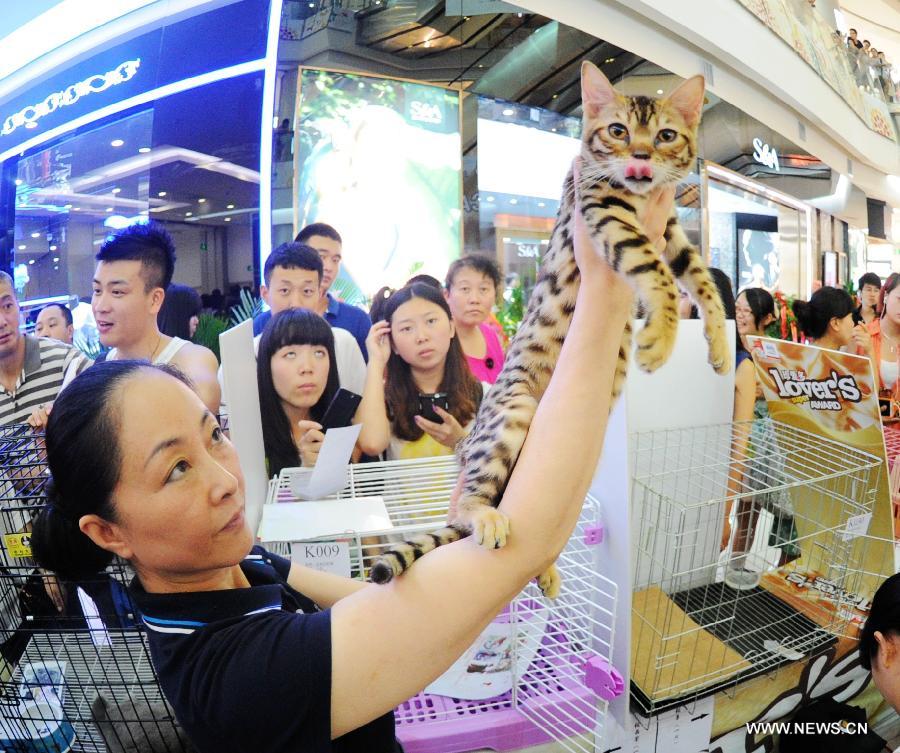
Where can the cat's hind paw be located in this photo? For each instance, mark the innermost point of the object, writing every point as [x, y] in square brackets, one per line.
[720, 355]
[654, 346]
[490, 527]
[550, 582]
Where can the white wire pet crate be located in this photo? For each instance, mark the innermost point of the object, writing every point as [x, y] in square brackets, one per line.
[77, 677]
[563, 691]
[694, 631]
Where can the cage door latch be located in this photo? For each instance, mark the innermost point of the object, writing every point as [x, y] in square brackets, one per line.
[593, 534]
[604, 679]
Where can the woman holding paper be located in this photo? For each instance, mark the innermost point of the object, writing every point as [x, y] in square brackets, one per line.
[141, 470]
[297, 376]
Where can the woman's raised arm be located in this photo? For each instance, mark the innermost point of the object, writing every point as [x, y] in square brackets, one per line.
[389, 642]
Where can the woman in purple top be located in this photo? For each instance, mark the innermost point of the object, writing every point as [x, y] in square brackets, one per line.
[471, 291]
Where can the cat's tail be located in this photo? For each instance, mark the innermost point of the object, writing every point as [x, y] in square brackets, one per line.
[399, 558]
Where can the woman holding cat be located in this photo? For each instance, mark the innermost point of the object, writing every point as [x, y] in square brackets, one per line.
[416, 352]
[242, 651]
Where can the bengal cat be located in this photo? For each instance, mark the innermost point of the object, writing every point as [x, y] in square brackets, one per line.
[630, 146]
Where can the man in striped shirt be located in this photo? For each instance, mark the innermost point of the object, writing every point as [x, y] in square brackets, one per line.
[32, 370]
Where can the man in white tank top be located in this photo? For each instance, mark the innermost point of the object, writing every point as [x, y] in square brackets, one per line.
[133, 271]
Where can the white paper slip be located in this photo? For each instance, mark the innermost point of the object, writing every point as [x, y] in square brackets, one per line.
[329, 475]
[300, 521]
[326, 556]
[856, 526]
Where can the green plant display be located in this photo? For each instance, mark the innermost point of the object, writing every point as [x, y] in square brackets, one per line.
[512, 310]
[208, 330]
[348, 292]
[248, 308]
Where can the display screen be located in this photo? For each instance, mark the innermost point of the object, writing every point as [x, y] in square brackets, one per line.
[380, 161]
[505, 151]
[758, 259]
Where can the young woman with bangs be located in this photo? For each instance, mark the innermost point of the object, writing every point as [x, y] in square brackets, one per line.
[414, 351]
[297, 375]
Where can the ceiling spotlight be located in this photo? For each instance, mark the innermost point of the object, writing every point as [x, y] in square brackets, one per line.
[481, 65]
[35, 235]
[490, 198]
[116, 142]
[67, 206]
[659, 91]
[556, 96]
[144, 149]
[53, 248]
[18, 181]
[77, 209]
[117, 190]
[553, 129]
[109, 209]
[31, 261]
[230, 206]
[513, 201]
[541, 204]
[509, 111]
[161, 194]
[22, 247]
[228, 219]
[201, 201]
[188, 214]
[55, 258]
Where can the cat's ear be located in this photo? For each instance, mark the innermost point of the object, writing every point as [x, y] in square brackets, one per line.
[688, 99]
[596, 91]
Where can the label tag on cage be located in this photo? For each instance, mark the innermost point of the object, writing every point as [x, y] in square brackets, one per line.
[18, 545]
[326, 556]
[857, 526]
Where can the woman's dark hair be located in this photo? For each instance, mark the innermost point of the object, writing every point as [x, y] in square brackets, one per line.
[84, 458]
[761, 304]
[477, 262]
[463, 390]
[884, 616]
[376, 310]
[826, 303]
[180, 304]
[889, 284]
[290, 327]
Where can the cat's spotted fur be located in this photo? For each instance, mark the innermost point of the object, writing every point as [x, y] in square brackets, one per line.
[630, 145]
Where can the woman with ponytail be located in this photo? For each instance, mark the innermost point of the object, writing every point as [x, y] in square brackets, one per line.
[827, 320]
[254, 652]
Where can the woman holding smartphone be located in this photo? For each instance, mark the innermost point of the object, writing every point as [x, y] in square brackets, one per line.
[416, 366]
[297, 375]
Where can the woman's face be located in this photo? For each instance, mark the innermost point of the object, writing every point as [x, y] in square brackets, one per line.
[471, 297]
[743, 317]
[300, 374]
[421, 333]
[892, 305]
[887, 678]
[842, 329]
[179, 500]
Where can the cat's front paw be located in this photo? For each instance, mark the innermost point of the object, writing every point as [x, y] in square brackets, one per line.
[550, 582]
[720, 355]
[654, 345]
[490, 527]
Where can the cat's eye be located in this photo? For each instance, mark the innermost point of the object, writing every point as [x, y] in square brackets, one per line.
[666, 135]
[617, 131]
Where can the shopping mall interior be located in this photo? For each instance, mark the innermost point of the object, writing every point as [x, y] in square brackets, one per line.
[423, 132]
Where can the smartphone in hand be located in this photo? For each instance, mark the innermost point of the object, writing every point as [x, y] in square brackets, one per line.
[341, 410]
[427, 404]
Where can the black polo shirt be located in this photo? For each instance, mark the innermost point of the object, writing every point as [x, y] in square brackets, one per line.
[249, 669]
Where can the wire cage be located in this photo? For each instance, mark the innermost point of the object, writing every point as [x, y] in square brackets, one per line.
[561, 676]
[75, 672]
[715, 509]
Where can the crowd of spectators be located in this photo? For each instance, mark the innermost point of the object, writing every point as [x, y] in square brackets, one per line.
[873, 71]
